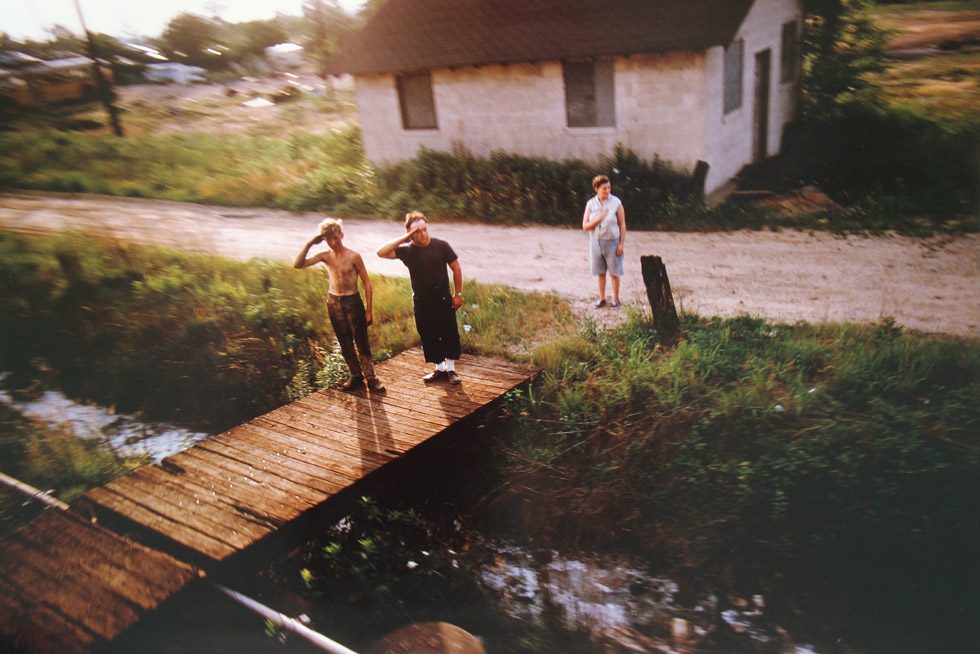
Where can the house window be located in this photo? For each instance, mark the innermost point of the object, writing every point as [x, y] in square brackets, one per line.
[589, 93]
[733, 75]
[790, 52]
[416, 101]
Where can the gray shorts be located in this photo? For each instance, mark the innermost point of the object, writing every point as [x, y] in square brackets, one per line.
[603, 258]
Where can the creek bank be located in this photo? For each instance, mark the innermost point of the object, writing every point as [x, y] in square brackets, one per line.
[125, 436]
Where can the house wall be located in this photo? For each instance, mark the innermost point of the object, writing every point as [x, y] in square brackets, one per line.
[667, 105]
[520, 108]
[730, 145]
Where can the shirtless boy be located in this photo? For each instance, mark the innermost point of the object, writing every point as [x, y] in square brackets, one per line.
[348, 316]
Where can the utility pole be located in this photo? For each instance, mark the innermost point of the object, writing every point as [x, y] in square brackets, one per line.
[105, 93]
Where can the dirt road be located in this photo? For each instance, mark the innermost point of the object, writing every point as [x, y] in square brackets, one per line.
[931, 285]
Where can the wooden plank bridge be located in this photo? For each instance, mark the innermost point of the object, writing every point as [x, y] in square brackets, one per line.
[74, 579]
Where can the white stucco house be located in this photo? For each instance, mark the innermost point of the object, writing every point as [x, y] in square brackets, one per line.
[685, 80]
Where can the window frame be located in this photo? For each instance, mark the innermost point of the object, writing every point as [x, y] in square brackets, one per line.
[789, 58]
[733, 90]
[406, 93]
[597, 88]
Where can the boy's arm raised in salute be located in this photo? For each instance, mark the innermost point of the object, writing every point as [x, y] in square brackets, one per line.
[302, 261]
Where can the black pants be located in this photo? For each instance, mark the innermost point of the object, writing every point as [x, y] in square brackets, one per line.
[350, 326]
[435, 320]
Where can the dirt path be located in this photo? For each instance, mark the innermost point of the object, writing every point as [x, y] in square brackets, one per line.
[932, 285]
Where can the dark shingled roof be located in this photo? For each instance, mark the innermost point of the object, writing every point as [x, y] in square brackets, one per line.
[407, 35]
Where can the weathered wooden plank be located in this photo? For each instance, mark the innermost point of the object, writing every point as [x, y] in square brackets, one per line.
[177, 531]
[319, 451]
[449, 397]
[66, 584]
[227, 526]
[429, 401]
[413, 355]
[471, 381]
[297, 493]
[264, 508]
[348, 414]
[388, 421]
[35, 576]
[404, 418]
[228, 492]
[95, 557]
[292, 457]
[185, 485]
[27, 625]
[362, 448]
[268, 499]
[319, 486]
[333, 423]
[82, 582]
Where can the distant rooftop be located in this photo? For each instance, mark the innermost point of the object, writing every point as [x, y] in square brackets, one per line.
[408, 35]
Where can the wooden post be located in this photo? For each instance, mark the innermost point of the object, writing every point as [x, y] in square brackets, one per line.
[661, 300]
[105, 93]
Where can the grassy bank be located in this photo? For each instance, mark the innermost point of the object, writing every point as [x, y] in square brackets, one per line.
[55, 458]
[835, 468]
[926, 185]
[206, 342]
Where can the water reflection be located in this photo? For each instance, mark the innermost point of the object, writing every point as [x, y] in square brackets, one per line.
[627, 609]
[125, 435]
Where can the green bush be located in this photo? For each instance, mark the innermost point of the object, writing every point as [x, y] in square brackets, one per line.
[508, 188]
[830, 466]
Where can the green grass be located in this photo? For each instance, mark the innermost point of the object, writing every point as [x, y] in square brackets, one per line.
[209, 342]
[944, 87]
[898, 8]
[53, 458]
[826, 466]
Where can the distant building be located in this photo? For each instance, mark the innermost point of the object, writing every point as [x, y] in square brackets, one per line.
[173, 72]
[285, 56]
[30, 82]
[686, 80]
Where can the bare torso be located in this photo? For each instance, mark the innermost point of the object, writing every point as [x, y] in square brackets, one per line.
[342, 268]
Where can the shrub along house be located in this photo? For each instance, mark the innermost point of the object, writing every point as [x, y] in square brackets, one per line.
[684, 80]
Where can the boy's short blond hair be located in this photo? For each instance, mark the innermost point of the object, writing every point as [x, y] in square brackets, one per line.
[331, 227]
[412, 216]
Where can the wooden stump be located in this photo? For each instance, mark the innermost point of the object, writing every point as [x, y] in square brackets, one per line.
[661, 300]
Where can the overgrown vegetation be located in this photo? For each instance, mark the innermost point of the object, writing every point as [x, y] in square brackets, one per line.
[208, 342]
[55, 458]
[861, 143]
[835, 468]
[381, 568]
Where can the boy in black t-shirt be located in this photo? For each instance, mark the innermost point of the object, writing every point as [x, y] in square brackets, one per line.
[427, 259]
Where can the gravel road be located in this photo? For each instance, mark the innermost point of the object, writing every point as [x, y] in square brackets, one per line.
[930, 285]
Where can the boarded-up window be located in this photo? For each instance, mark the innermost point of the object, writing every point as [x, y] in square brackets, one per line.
[589, 93]
[733, 75]
[416, 101]
[790, 52]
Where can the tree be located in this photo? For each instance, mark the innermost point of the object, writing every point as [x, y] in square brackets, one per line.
[842, 46]
[257, 35]
[191, 35]
[327, 26]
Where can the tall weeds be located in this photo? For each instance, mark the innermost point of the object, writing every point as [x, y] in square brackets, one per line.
[819, 463]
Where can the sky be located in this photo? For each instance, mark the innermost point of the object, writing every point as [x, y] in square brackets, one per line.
[28, 18]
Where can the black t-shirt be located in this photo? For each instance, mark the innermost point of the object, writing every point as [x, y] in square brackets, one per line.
[427, 266]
